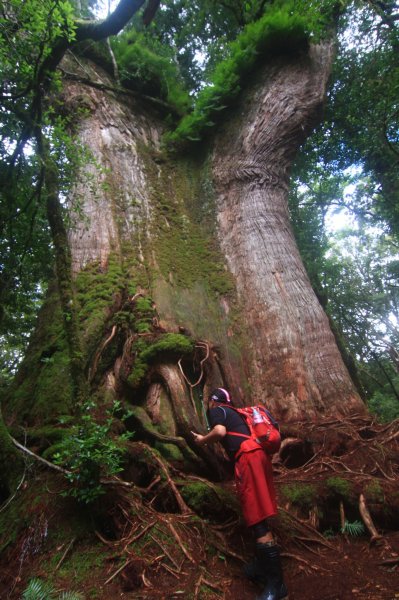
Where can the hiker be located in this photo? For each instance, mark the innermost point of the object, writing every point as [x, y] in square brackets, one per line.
[254, 481]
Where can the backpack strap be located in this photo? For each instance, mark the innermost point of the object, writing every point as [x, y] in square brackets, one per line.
[238, 434]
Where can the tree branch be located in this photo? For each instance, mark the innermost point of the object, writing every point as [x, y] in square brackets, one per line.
[98, 30]
[93, 30]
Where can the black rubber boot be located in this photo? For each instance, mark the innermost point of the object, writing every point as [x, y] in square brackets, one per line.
[269, 559]
[254, 571]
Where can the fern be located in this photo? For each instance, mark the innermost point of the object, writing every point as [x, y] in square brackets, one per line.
[38, 590]
[41, 590]
[353, 529]
[70, 596]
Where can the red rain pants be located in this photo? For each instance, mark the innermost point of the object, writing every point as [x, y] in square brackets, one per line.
[254, 480]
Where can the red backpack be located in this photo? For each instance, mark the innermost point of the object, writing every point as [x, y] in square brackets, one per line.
[264, 430]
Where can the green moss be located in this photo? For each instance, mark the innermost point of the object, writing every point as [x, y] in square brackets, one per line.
[209, 501]
[279, 30]
[11, 463]
[374, 492]
[172, 344]
[97, 288]
[42, 389]
[339, 487]
[300, 494]
[169, 452]
[186, 251]
[151, 71]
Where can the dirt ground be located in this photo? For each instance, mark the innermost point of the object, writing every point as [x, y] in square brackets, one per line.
[138, 551]
[346, 568]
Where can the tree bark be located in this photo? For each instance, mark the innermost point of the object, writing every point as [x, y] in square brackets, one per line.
[208, 244]
[296, 366]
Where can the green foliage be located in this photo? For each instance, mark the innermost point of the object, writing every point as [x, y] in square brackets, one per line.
[353, 529]
[385, 404]
[329, 533]
[349, 167]
[300, 494]
[276, 31]
[38, 589]
[150, 70]
[89, 453]
[339, 487]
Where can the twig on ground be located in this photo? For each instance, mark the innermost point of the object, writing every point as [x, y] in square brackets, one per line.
[179, 499]
[65, 553]
[302, 560]
[103, 540]
[167, 553]
[320, 538]
[133, 539]
[125, 564]
[177, 537]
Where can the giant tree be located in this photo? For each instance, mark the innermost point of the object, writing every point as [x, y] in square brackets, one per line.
[176, 267]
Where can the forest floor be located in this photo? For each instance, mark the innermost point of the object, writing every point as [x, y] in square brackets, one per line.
[137, 551]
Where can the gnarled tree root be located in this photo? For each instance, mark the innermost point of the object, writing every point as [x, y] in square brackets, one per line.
[367, 520]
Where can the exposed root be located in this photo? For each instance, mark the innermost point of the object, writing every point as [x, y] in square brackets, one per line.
[179, 541]
[191, 386]
[302, 560]
[93, 369]
[367, 520]
[125, 564]
[302, 526]
[165, 470]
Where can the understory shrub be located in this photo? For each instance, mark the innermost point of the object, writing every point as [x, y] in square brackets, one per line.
[89, 453]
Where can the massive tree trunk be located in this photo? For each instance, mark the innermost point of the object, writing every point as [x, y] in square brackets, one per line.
[296, 366]
[198, 246]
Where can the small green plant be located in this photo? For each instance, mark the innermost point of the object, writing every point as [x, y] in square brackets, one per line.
[329, 534]
[89, 453]
[354, 529]
[302, 495]
[38, 589]
[339, 486]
